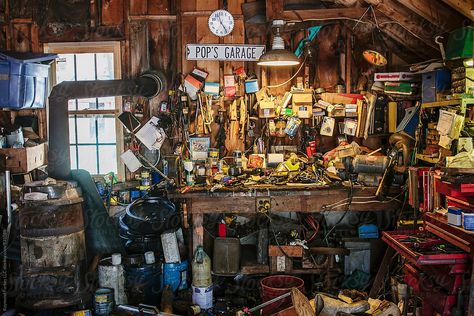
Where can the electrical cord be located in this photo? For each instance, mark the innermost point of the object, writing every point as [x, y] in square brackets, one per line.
[292, 77]
[343, 215]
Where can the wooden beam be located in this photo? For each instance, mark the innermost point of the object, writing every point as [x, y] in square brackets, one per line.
[152, 17]
[407, 40]
[410, 21]
[322, 14]
[435, 12]
[465, 7]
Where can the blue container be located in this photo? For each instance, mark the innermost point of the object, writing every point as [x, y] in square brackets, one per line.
[368, 231]
[435, 82]
[176, 275]
[23, 80]
[143, 283]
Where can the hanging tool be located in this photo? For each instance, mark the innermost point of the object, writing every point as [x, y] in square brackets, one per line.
[243, 117]
[441, 48]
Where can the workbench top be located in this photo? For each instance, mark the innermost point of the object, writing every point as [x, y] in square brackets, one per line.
[287, 199]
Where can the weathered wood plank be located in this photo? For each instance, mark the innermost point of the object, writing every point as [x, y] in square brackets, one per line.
[198, 231]
[408, 20]
[139, 59]
[465, 7]
[112, 12]
[21, 37]
[298, 15]
[187, 5]
[236, 37]
[274, 9]
[188, 36]
[441, 16]
[207, 5]
[159, 7]
[138, 7]
[409, 41]
[161, 43]
[203, 35]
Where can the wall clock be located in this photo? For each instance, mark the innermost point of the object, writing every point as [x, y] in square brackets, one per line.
[221, 22]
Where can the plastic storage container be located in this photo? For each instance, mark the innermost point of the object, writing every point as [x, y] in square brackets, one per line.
[23, 80]
[201, 268]
[226, 258]
[176, 275]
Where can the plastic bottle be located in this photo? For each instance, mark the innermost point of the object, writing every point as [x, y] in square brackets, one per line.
[201, 268]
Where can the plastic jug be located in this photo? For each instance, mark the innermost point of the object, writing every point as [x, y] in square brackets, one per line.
[201, 268]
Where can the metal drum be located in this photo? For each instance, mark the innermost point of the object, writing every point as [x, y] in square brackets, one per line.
[53, 249]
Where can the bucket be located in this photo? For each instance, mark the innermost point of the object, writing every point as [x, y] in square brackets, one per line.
[112, 276]
[143, 283]
[103, 301]
[176, 275]
[202, 296]
[277, 285]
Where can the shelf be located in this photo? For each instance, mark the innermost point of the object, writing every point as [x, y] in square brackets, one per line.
[438, 224]
[427, 159]
[438, 104]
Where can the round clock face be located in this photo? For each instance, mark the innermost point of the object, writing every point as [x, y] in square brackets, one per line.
[221, 22]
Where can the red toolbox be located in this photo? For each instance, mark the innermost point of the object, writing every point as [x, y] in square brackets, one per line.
[434, 269]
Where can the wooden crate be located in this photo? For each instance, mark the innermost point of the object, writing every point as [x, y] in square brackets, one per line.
[23, 160]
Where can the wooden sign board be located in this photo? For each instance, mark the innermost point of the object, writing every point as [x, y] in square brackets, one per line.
[234, 52]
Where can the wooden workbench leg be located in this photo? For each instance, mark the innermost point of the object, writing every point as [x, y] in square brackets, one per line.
[471, 292]
[382, 272]
[198, 231]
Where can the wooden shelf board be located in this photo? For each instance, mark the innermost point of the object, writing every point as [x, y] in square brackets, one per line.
[428, 159]
[441, 103]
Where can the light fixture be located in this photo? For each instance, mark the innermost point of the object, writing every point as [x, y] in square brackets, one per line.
[278, 56]
[469, 63]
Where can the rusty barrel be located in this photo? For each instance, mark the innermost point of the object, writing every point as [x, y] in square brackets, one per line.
[53, 249]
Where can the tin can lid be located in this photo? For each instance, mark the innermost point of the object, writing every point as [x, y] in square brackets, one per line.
[116, 259]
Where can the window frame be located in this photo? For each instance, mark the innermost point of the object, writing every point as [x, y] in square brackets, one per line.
[96, 47]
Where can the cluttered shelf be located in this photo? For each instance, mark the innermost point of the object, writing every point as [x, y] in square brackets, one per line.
[437, 224]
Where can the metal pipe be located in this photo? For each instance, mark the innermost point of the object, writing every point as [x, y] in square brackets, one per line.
[59, 165]
[8, 195]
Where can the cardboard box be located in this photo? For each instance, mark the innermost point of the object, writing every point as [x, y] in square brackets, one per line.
[24, 160]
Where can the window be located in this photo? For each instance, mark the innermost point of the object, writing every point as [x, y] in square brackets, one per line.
[94, 132]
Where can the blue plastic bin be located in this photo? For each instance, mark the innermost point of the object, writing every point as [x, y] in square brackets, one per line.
[24, 80]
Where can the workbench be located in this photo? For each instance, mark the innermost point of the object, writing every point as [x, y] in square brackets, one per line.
[307, 199]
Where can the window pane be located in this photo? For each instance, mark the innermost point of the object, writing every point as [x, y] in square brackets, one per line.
[72, 130]
[73, 157]
[85, 66]
[106, 126]
[105, 66]
[88, 158]
[106, 103]
[71, 105]
[107, 159]
[86, 130]
[65, 68]
[84, 104]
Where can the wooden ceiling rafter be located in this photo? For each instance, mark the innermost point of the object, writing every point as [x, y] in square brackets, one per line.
[465, 7]
[411, 22]
[436, 12]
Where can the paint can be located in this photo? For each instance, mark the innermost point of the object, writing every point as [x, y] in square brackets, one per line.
[103, 301]
[237, 155]
[84, 312]
[176, 275]
[203, 296]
